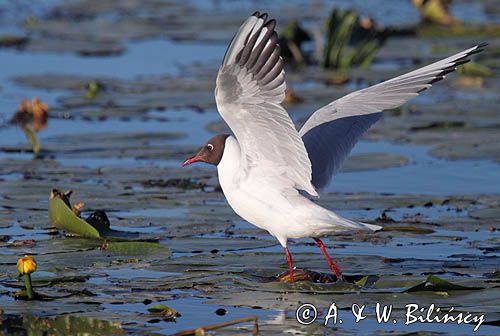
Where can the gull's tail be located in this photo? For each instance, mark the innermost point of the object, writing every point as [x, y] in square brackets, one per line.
[340, 223]
[357, 225]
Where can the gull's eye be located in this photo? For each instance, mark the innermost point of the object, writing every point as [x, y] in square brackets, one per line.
[210, 147]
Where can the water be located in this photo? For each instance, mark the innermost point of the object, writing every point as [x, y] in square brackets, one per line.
[423, 175]
[190, 280]
[196, 312]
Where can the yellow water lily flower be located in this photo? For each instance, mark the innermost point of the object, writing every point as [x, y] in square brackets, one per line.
[26, 265]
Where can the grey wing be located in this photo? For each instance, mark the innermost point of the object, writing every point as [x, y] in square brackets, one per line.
[331, 132]
[250, 89]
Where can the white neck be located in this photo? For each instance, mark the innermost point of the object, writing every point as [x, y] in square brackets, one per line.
[229, 165]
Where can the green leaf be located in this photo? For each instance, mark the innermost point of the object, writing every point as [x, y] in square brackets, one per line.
[411, 229]
[30, 135]
[166, 311]
[61, 325]
[137, 248]
[63, 218]
[435, 284]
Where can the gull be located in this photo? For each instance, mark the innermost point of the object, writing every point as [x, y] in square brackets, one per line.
[267, 167]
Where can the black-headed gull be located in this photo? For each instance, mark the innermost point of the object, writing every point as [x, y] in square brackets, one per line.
[264, 165]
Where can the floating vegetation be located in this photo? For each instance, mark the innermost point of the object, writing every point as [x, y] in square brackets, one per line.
[166, 312]
[305, 275]
[63, 217]
[202, 330]
[181, 183]
[13, 41]
[31, 117]
[60, 325]
[435, 284]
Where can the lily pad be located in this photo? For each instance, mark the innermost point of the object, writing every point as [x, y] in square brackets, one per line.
[303, 275]
[61, 325]
[136, 248]
[411, 229]
[167, 312]
[66, 217]
[435, 284]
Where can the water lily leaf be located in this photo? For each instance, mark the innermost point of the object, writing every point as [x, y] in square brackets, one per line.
[411, 229]
[63, 218]
[395, 283]
[61, 325]
[99, 221]
[303, 275]
[50, 281]
[364, 281]
[23, 295]
[66, 217]
[435, 284]
[165, 311]
[136, 248]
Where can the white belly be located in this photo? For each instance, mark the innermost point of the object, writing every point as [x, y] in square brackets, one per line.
[261, 200]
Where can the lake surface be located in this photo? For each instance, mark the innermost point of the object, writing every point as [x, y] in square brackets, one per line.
[122, 152]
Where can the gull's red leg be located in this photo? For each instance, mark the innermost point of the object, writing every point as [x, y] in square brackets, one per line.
[333, 266]
[289, 260]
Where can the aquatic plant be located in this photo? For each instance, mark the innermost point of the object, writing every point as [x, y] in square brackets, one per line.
[292, 36]
[31, 117]
[169, 314]
[66, 217]
[27, 265]
[350, 40]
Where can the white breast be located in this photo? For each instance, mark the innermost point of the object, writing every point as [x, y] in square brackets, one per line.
[251, 195]
[229, 166]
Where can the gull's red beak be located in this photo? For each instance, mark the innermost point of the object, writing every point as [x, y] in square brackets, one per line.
[194, 159]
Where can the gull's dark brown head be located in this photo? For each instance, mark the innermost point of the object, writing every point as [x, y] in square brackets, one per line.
[211, 152]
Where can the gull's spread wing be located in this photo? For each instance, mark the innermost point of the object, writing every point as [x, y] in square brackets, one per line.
[332, 131]
[250, 88]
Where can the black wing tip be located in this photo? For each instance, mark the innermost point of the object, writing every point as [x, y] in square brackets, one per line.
[260, 15]
[271, 24]
[480, 47]
[459, 61]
